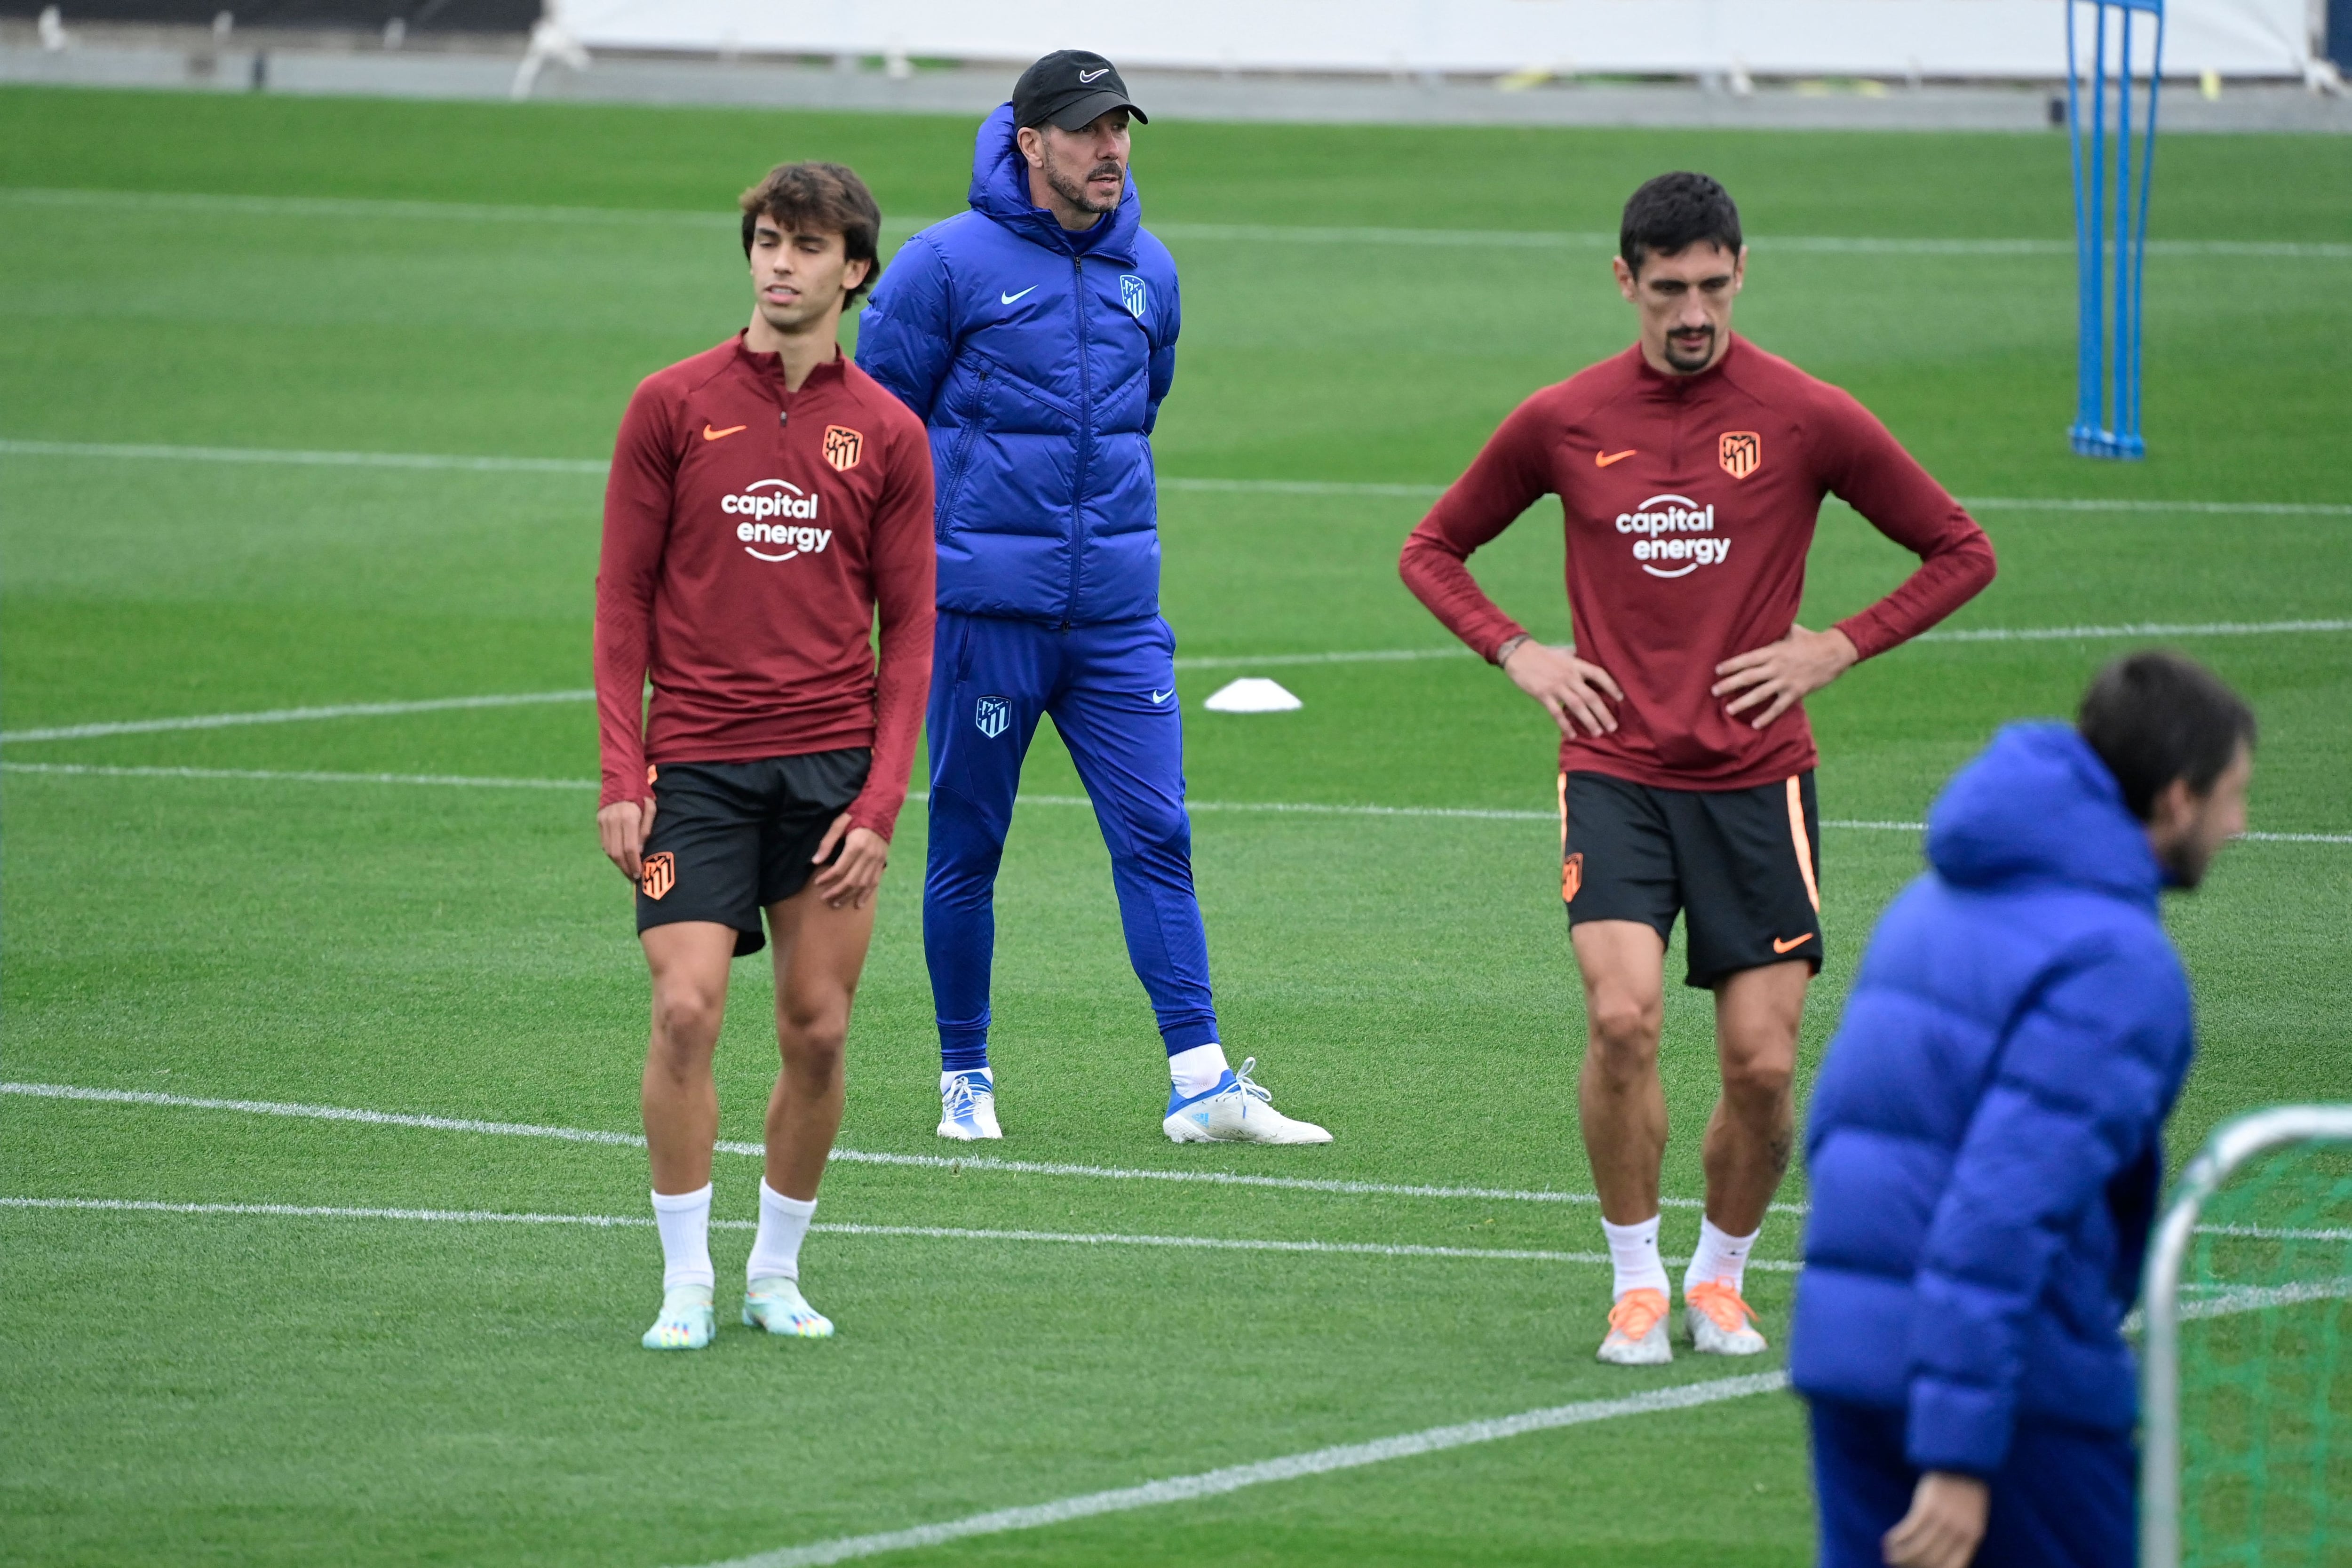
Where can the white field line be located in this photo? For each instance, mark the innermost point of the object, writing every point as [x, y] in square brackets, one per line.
[1290, 808]
[429, 461]
[918, 1232]
[292, 715]
[1215, 661]
[847, 1156]
[2233, 1301]
[297, 775]
[1205, 233]
[2273, 1233]
[597, 468]
[1292, 1467]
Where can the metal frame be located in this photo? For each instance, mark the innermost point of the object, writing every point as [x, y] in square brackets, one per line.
[2232, 1146]
[2104, 387]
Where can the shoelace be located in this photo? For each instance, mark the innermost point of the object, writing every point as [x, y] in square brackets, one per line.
[1722, 1305]
[1638, 1313]
[960, 1100]
[1250, 1086]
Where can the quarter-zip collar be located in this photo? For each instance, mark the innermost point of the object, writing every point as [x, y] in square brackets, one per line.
[770, 369]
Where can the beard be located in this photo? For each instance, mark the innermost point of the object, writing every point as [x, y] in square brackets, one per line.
[1074, 191]
[1682, 361]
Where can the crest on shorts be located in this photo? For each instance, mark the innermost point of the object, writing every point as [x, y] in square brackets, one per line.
[842, 448]
[661, 874]
[1742, 453]
[992, 714]
[1571, 877]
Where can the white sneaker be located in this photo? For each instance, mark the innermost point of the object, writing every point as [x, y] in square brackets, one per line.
[777, 1305]
[1720, 1322]
[1637, 1330]
[968, 1106]
[1237, 1111]
[685, 1323]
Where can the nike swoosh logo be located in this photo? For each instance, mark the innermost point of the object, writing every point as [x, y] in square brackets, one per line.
[1163, 696]
[710, 435]
[1791, 944]
[1008, 298]
[1602, 459]
[1092, 75]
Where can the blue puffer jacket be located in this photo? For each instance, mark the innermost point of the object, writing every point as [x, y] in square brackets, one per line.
[1038, 357]
[1984, 1142]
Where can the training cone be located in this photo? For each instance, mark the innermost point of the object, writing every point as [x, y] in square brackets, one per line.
[1253, 694]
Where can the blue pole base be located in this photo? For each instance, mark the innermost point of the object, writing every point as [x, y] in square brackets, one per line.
[2089, 442]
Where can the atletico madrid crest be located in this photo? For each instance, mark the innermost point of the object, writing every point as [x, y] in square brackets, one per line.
[1571, 877]
[1742, 453]
[842, 448]
[661, 875]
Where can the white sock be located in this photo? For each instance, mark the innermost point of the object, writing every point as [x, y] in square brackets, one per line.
[1198, 1070]
[1633, 1249]
[684, 1221]
[1719, 1257]
[782, 1223]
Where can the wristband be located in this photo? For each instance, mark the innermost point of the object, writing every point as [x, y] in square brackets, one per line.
[1510, 646]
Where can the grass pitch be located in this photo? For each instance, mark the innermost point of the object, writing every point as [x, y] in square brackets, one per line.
[276, 1389]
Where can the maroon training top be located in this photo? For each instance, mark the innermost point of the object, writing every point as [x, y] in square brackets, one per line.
[1690, 503]
[750, 534]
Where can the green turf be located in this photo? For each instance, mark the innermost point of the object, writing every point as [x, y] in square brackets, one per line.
[283, 1389]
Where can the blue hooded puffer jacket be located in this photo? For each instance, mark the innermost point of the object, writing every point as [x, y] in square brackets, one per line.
[1984, 1142]
[1038, 357]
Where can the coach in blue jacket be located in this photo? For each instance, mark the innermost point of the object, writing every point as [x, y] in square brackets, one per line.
[1984, 1144]
[1036, 335]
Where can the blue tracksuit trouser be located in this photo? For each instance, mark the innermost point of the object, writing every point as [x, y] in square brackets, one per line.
[1111, 690]
[2068, 1498]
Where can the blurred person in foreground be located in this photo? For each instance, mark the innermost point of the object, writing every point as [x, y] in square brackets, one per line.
[768, 502]
[1036, 335]
[1985, 1138]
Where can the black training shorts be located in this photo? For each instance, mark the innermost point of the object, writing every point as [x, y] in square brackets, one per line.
[1739, 865]
[730, 838]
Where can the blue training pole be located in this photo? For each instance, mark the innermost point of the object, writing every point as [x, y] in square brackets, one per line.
[2110, 234]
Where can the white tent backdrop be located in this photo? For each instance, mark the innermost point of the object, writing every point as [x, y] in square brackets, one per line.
[2012, 38]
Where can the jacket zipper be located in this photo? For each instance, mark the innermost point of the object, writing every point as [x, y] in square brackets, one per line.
[964, 439]
[1086, 443]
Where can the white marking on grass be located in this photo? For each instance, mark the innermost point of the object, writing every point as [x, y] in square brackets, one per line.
[2274, 1233]
[1204, 233]
[453, 781]
[2134, 629]
[918, 1232]
[1295, 808]
[848, 1156]
[429, 461]
[1216, 661]
[292, 715]
[596, 468]
[2232, 1301]
[1290, 1468]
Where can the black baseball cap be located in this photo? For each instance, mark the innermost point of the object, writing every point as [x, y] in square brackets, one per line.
[1071, 88]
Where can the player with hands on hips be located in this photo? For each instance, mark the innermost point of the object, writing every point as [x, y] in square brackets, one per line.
[1690, 469]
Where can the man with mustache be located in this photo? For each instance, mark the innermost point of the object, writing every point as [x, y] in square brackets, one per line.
[1690, 469]
[1036, 335]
